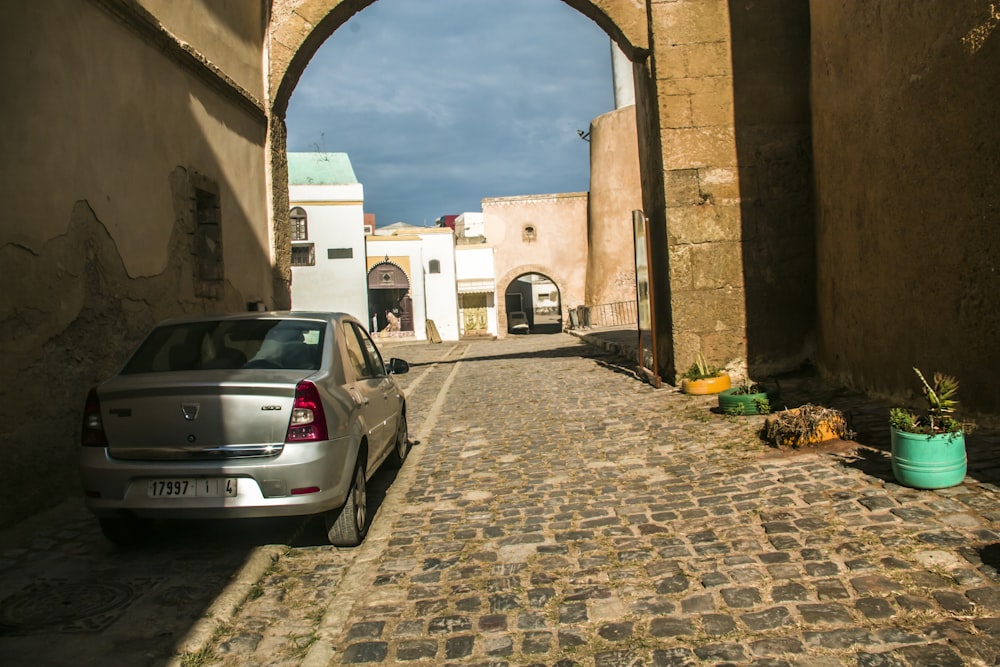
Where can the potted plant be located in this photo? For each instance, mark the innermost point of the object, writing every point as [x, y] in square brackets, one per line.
[928, 450]
[806, 425]
[749, 398]
[702, 378]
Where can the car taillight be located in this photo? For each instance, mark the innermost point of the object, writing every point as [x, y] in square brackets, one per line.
[308, 421]
[93, 428]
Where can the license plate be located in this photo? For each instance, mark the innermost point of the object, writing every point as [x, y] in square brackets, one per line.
[192, 488]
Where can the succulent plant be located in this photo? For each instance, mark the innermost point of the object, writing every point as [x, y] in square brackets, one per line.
[941, 406]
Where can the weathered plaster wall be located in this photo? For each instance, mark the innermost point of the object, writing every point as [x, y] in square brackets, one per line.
[557, 250]
[229, 33]
[906, 130]
[615, 191]
[98, 184]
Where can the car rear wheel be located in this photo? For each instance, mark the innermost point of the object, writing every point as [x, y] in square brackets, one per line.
[347, 526]
[124, 531]
[402, 446]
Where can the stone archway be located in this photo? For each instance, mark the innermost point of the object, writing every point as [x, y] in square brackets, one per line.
[561, 282]
[299, 28]
[717, 149]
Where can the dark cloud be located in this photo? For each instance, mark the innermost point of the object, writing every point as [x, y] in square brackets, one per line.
[441, 103]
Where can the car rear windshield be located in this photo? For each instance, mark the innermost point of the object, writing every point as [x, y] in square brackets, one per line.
[230, 345]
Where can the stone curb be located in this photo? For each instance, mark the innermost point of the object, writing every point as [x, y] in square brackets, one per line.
[227, 603]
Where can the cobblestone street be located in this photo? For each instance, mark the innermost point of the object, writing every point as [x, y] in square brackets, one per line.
[556, 511]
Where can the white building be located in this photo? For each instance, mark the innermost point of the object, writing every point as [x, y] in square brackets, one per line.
[418, 262]
[470, 225]
[476, 287]
[328, 234]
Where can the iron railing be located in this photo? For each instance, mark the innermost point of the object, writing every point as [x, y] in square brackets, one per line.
[606, 315]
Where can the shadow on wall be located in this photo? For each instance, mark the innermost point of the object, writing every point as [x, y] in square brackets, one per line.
[770, 43]
[78, 312]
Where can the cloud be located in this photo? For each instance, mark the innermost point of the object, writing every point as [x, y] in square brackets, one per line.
[441, 103]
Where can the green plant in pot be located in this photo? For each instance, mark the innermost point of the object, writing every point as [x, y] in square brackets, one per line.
[928, 449]
[703, 378]
[749, 398]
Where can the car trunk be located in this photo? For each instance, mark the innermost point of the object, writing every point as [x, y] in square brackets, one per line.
[198, 415]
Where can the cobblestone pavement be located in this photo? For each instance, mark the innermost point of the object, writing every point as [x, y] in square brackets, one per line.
[556, 511]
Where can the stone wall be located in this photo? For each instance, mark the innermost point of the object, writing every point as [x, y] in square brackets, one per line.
[906, 130]
[114, 135]
[732, 97]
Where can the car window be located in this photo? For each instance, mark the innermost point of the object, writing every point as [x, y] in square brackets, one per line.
[355, 354]
[371, 352]
[229, 345]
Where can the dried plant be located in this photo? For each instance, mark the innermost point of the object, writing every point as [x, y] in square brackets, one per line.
[805, 425]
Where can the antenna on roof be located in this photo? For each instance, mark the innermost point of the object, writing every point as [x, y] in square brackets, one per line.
[321, 146]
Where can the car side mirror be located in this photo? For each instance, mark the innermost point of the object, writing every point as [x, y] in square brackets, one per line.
[398, 366]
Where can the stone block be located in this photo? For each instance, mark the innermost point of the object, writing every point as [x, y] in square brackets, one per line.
[690, 21]
[703, 224]
[683, 189]
[704, 85]
[708, 311]
[722, 186]
[680, 268]
[707, 59]
[698, 147]
[713, 108]
[724, 347]
[676, 111]
[716, 265]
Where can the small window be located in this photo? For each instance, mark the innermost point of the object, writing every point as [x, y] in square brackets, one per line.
[304, 254]
[209, 271]
[434, 266]
[339, 253]
[297, 219]
[528, 233]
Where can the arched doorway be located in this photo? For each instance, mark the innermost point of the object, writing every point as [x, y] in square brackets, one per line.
[389, 294]
[533, 305]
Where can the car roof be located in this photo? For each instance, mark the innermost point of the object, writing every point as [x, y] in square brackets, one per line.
[304, 315]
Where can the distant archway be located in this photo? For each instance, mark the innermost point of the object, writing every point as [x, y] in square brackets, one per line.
[533, 304]
[389, 292]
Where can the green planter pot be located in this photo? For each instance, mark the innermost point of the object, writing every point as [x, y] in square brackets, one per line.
[928, 461]
[731, 403]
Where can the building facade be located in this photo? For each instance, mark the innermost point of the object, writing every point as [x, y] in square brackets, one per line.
[327, 230]
[543, 235]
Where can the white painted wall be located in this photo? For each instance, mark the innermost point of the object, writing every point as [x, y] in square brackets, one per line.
[440, 293]
[434, 294]
[474, 268]
[335, 221]
[472, 223]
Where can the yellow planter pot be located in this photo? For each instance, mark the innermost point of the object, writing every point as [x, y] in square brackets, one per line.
[712, 385]
[829, 428]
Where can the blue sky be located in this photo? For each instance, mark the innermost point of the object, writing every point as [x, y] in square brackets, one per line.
[442, 103]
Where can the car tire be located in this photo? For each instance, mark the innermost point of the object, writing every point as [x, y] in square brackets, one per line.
[124, 531]
[401, 448]
[348, 526]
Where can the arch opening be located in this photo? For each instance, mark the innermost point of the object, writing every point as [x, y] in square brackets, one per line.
[390, 304]
[533, 305]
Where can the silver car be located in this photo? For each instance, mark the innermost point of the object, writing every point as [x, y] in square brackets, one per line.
[249, 415]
